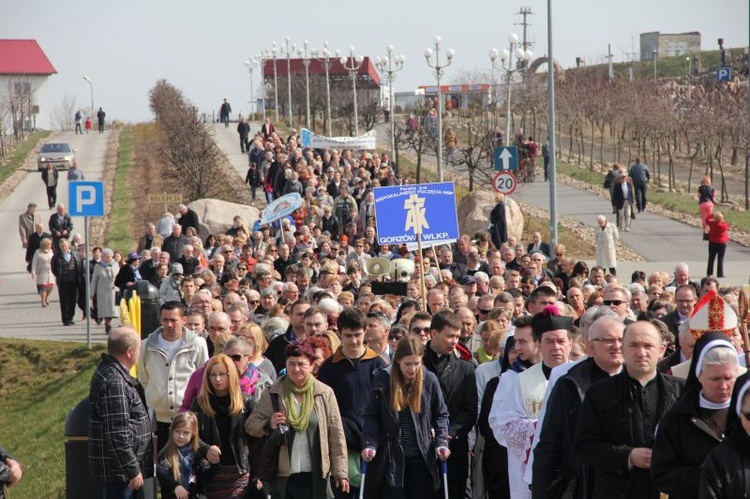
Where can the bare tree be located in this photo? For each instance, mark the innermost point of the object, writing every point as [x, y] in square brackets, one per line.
[63, 116]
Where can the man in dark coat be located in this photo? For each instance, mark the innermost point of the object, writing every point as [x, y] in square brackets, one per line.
[458, 384]
[68, 270]
[686, 297]
[243, 129]
[619, 415]
[499, 230]
[50, 178]
[121, 443]
[60, 226]
[33, 243]
[174, 243]
[554, 454]
[188, 218]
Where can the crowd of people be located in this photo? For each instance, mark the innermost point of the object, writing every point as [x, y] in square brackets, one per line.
[283, 362]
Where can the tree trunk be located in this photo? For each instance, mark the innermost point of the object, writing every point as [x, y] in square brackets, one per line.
[593, 144]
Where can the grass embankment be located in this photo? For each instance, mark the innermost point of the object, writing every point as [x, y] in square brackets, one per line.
[22, 150]
[119, 236]
[41, 382]
[673, 201]
[573, 244]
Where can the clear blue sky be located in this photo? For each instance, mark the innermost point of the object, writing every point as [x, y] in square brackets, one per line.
[199, 46]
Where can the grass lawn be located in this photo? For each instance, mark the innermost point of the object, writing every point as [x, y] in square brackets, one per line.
[41, 382]
[19, 155]
[673, 201]
[119, 237]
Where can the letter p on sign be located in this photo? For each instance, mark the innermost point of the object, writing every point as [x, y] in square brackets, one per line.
[86, 199]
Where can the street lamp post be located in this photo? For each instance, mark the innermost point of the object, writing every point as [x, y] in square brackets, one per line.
[352, 64]
[506, 55]
[303, 53]
[264, 56]
[290, 48]
[438, 72]
[250, 65]
[325, 58]
[390, 65]
[653, 53]
[91, 85]
[274, 51]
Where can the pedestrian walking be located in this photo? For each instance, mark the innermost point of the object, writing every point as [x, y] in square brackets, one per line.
[41, 270]
[100, 118]
[243, 128]
[498, 222]
[75, 174]
[68, 270]
[78, 120]
[224, 111]
[253, 178]
[120, 432]
[706, 201]
[103, 289]
[641, 176]
[622, 198]
[50, 178]
[88, 124]
[607, 238]
[718, 237]
[545, 157]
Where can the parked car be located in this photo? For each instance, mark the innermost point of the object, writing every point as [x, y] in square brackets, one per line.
[59, 154]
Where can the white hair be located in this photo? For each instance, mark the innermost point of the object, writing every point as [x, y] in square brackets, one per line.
[682, 266]
[329, 306]
[481, 276]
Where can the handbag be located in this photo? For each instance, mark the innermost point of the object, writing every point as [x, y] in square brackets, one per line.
[264, 451]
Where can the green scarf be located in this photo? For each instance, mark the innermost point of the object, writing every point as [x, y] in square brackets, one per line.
[298, 420]
[483, 356]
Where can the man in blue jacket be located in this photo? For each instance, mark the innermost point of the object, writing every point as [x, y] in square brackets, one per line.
[641, 176]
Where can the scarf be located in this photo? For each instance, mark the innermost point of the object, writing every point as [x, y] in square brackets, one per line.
[298, 419]
[249, 380]
[483, 356]
[187, 458]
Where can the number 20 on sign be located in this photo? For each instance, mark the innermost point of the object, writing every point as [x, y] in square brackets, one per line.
[504, 182]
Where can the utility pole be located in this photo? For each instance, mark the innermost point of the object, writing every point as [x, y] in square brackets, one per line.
[524, 12]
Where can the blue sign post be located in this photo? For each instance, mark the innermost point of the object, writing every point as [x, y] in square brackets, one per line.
[723, 74]
[506, 158]
[86, 199]
[404, 211]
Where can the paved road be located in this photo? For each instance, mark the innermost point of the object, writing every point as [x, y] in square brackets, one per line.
[21, 314]
[659, 240]
[229, 142]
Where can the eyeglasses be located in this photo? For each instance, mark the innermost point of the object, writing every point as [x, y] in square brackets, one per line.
[395, 337]
[420, 330]
[484, 311]
[613, 302]
[608, 341]
[253, 302]
[237, 357]
[218, 375]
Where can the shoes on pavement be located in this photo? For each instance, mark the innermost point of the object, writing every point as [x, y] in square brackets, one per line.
[107, 328]
[721, 275]
[627, 230]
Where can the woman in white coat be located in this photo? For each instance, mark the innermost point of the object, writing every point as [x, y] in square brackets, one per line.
[606, 244]
[103, 287]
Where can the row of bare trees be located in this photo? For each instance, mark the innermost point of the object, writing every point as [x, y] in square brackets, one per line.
[189, 154]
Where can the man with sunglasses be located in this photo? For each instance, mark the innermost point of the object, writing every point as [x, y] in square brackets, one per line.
[618, 299]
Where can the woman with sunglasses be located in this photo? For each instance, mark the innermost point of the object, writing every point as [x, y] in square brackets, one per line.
[406, 427]
[725, 472]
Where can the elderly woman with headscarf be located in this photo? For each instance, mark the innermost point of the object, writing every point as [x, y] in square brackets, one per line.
[315, 448]
[725, 473]
[696, 424]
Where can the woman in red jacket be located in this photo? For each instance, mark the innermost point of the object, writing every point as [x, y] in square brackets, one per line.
[718, 236]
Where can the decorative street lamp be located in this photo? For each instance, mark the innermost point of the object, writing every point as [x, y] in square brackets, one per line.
[274, 51]
[506, 55]
[438, 72]
[92, 95]
[325, 58]
[303, 53]
[264, 56]
[390, 65]
[290, 48]
[250, 64]
[352, 64]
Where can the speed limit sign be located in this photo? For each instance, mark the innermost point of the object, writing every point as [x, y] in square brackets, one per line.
[504, 182]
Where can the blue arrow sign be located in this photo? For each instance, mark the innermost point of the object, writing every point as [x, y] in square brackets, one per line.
[506, 158]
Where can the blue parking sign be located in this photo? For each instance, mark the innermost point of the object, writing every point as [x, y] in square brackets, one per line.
[723, 74]
[403, 211]
[86, 199]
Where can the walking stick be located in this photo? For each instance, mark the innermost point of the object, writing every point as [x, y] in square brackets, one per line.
[444, 470]
[362, 482]
[742, 323]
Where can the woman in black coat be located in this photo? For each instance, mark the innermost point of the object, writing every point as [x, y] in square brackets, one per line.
[696, 424]
[498, 222]
[726, 472]
[405, 427]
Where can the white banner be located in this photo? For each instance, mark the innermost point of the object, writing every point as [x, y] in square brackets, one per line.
[310, 139]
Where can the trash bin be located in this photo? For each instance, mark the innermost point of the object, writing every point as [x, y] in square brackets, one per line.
[78, 483]
[149, 296]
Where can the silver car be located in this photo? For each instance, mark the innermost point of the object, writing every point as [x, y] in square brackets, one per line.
[60, 154]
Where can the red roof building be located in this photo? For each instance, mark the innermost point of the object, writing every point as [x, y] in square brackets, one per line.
[24, 57]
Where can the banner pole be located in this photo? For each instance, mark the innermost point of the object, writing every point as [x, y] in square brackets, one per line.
[421, 271]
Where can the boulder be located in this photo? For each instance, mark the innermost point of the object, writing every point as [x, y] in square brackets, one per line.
[216, 216]
[474, 214]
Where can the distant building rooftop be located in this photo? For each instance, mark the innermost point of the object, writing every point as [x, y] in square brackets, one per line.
[24, 57]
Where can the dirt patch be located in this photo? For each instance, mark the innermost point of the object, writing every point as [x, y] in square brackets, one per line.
[99, 226]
